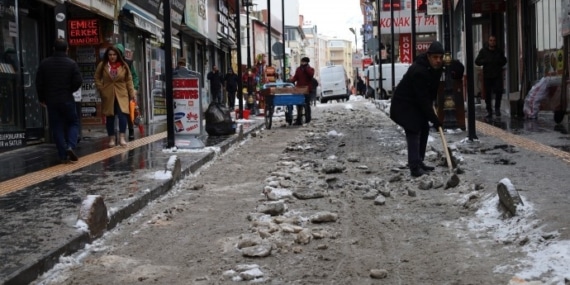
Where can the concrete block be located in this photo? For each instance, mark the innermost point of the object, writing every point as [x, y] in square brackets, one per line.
[508, 195]
[94, 213]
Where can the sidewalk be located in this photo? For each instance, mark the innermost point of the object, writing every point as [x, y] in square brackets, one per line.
[38, 222]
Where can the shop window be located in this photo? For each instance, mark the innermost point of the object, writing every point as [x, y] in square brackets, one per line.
[549, 42]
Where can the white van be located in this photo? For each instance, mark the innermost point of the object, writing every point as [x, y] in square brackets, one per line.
[372, 75]
[334, 83]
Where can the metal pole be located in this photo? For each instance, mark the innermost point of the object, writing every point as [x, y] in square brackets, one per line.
[168, 75]
[413, 35]
[392, 57]
[283, 36]
[269, 32]
[247, 33]
[239, 60]
[379, 39]
[472, 135]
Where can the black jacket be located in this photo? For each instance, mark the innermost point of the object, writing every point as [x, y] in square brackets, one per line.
[57, 78]
[216, 80]
[412, 102]
[231, 80]
[492, 62]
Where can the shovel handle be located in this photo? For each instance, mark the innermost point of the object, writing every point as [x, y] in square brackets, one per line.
[445, 149]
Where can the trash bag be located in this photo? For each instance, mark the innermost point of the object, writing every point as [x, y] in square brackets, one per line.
[219, 120]
[539, 92]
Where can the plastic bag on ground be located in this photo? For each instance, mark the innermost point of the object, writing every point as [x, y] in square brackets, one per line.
[219, 120]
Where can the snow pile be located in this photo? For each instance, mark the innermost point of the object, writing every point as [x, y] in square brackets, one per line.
[546, 256]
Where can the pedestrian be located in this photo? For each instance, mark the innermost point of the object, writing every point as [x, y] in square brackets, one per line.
[360, 86]
[412, 105]
[136, 82]
[216, 82]
[249, 82]
[314, 87]
[231, 84]
[492, 58]
[57, 78]
[302, 78]
[114, 82]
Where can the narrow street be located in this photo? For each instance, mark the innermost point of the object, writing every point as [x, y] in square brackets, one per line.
[332, 202]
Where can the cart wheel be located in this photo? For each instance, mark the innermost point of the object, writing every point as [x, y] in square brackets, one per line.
[559, 116]
[268, 117]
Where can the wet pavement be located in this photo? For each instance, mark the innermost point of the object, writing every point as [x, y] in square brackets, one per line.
[38, 223]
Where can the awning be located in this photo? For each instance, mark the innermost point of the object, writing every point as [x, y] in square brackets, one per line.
[144, 24]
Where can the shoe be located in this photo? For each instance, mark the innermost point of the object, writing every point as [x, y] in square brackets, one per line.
[498, 113]
[111, 141]
[72, 156]
[122, 140]
[298, 123]
[417, 171]
[307, 120]
[131, 134]
[489, 116]
[426, 167]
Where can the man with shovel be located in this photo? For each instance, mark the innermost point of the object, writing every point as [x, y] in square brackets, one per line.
[412, 105]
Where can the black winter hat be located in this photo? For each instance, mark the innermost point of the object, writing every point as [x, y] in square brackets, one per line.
[305, 59]
[435, 48]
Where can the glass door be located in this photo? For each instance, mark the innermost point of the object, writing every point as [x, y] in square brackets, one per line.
[34, 113]
[10, 102]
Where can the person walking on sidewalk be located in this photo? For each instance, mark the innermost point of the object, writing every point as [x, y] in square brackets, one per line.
[136, 82]
[57, 78]
[492, 59]
[216, 80]
[231, 81]
[303, 78]
[412, 105]
[114, 81]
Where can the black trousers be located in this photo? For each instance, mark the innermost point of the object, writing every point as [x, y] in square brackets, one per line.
[493, 86]
[232, 99]
[417, 144]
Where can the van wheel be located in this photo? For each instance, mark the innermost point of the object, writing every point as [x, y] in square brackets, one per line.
[323, 101]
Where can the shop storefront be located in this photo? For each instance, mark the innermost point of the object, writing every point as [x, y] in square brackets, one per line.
[22, 118]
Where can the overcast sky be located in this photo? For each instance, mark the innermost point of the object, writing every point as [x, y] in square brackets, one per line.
[333, 17]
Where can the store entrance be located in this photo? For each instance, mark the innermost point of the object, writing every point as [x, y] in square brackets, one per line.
[35, 116]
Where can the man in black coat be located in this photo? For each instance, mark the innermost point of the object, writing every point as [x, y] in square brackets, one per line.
[216, 82]
[231, 81]
[56, 79]
[492, 59]
[412, 105]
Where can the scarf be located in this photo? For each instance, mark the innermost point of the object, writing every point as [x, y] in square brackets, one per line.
[114, 68]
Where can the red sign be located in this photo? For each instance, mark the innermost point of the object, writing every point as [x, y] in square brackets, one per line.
[83, 32]
[489, 6]
[366, 62]
[406, 48]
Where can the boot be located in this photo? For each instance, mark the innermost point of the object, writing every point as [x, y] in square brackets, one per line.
[417, 171]
[111, 141]
[131, 134]
[122, 140]
[426, 167]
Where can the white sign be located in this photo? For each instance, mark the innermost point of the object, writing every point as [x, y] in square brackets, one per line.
[403, 23]
[186, 97]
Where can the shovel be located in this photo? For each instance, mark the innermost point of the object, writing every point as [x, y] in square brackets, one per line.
[453, 180]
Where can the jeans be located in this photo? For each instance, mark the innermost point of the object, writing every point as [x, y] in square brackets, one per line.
[62, 117]
[417, 144]
[111, 121]
[217, 96]
[232, 99]
[493, 85]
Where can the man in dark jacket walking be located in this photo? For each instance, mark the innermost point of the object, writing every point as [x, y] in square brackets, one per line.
[216, 81]
[231, 82]
[56, 80]
[303, 77]
[412, 105]
[492, 59]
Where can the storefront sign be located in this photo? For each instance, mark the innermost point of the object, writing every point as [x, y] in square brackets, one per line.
[12, 139]
[91, 113]
[105, 8]
[489, 6]
[186, 95]
[83, 32]
[406, 48]
[402, 23]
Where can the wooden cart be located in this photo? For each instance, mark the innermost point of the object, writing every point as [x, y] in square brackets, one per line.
[282, 94]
